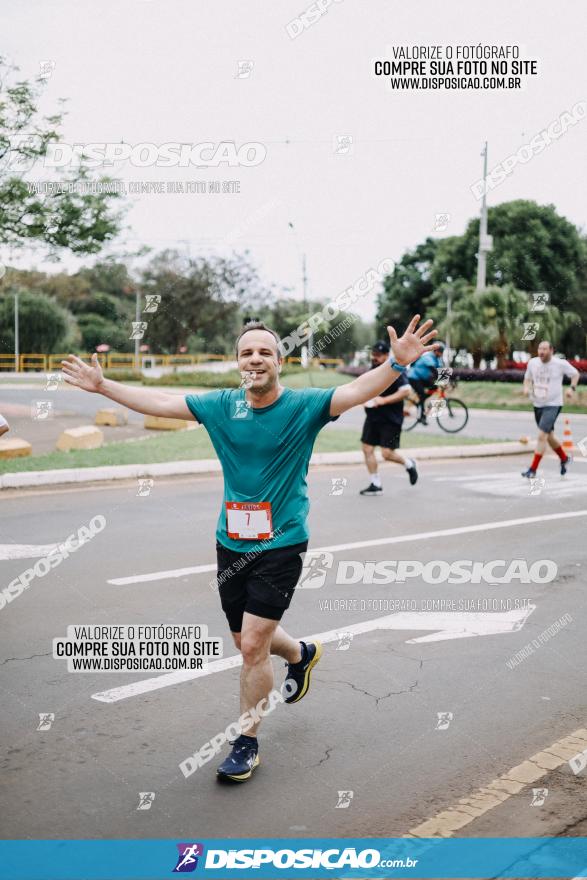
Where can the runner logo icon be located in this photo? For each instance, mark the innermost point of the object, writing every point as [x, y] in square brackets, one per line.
[187, 860]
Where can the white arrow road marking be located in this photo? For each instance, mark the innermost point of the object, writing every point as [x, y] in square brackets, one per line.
[376, 542]
[25, 551]
[459, 625]
[505, 485]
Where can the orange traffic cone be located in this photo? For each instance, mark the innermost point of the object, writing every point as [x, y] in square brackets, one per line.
[568, 444]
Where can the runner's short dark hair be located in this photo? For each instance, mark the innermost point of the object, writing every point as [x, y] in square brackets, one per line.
[258, 325]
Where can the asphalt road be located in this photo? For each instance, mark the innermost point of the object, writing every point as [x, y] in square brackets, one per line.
[370, 722]
[72, 408]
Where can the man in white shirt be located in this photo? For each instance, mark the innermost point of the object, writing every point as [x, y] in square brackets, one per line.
[4, 427]
[543, 384]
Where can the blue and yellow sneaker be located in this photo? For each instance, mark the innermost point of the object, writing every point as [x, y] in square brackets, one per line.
[297, 680]
[241, 762]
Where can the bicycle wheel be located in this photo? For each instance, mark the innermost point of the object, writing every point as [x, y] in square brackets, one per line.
[453, 416]
[411, 414]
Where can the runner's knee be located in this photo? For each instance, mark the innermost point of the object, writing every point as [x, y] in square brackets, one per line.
[254, 648]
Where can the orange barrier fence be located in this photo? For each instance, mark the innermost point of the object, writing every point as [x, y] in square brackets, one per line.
[126, 361]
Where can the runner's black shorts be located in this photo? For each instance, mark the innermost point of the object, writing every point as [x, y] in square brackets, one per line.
[546, 416]
[381, 434]
[262, 585]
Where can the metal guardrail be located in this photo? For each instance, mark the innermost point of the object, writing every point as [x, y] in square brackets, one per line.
[121, 361]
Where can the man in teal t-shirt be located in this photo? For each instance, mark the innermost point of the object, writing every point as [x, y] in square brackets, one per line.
[263, 434]
[265, 452]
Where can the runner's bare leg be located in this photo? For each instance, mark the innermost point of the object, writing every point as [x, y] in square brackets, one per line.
[553, 441]
[257, 671]
[541, 443]
[370, 459]
[392, 455]
[282, 645]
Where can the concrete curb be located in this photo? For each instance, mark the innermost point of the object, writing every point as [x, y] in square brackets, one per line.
[212, 466]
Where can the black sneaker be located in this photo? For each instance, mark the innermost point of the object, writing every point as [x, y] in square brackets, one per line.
[371, 489]
[241, 762]
[298, 674]
[565, 464]
[412, 473]
[529, 473]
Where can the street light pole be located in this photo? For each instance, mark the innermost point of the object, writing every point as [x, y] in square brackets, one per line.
[305, 293]
[137, 319]
[448, 315]
[485, 242]
[16, 337]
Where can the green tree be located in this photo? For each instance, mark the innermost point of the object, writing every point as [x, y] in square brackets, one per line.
[98, 330]
[467, 323]
[81, 222]
[534, 249]
[491, 323]
[44, 326]
[408, 289]
[200, 299]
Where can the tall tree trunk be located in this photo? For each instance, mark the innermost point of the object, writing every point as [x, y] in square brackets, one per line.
[501, 350]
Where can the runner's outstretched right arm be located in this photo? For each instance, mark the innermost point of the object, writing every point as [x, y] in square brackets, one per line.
[89, 377]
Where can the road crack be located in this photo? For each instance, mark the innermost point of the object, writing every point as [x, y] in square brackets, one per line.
[374, 696]
[10, 659]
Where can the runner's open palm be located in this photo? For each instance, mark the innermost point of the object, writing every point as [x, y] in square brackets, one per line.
[409, 347]
[89, 377]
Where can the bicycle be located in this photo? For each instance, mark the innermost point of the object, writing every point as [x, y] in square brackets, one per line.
[451, 413]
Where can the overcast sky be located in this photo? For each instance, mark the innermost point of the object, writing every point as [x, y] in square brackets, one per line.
[157, 71]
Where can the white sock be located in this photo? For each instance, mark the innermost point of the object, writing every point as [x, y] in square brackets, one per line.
[376, 480]
[410, 463]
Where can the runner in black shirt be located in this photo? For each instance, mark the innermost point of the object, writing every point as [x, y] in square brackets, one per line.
[383, 425]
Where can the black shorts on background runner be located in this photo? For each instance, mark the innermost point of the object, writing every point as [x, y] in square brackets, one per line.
[384, 434]
[546, 416]
[263, 585]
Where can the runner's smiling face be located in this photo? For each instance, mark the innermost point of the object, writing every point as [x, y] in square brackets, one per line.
[258, 357]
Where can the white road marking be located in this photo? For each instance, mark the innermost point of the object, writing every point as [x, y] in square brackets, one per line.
[161, 575]
[25, 551]
[376, 542]
[505, 485]
[446, 626]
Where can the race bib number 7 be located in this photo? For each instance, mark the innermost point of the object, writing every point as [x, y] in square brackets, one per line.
[249, 521]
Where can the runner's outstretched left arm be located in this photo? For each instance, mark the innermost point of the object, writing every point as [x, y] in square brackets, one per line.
[405, 350]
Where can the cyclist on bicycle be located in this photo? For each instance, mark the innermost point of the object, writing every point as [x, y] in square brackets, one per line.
[423, 373]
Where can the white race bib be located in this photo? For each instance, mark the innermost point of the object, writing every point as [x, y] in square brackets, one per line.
[249, 521]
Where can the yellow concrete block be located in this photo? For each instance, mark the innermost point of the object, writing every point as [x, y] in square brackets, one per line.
[158, 423]
[85, 437]
[562, 751]
[507, 785]
[525, 772]
[547, 761]
[14, 448]
[114, 417]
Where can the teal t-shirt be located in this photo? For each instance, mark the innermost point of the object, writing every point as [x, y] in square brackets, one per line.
[265, 453]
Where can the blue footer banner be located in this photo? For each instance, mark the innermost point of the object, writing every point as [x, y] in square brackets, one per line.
[285, 857]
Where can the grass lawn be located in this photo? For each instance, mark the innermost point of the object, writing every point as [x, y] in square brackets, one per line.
[185, 445]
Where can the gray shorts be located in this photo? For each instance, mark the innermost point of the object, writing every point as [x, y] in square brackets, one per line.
[546, 416]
